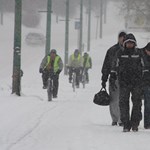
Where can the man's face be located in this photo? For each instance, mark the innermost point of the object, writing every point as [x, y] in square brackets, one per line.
[53, 55]
[147, 52]
[130, 45]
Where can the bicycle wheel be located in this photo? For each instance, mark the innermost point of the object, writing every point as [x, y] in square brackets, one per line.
[83, 80]
[73, 81]
[49, 90]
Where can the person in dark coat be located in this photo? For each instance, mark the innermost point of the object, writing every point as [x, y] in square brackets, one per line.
[146, 85]
[106, 69]
[128, 68]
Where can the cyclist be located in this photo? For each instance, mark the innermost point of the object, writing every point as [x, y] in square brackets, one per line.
[87, 64]
[75, 64]
[51, 63]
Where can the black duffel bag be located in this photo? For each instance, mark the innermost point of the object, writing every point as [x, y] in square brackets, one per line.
[102, 98]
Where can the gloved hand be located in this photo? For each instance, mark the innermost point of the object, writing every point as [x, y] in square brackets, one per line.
[40, 70]
[103, 84]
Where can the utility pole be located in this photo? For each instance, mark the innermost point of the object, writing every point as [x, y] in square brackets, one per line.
[48, 27]
[1, 12]
[16, 86]
[101, 19]
[127, 15]
[81, 25]
[97, 25]
[105, 11]
[89, 27]
[66, 37]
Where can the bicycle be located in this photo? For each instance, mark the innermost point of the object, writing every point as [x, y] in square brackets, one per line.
[50, 86]
[73, 79]
[84, 78]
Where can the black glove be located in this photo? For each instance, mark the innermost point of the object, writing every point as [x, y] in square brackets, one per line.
[103, 84]
[40, 70]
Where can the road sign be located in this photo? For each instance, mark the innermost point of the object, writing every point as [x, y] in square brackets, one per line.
[77, 25]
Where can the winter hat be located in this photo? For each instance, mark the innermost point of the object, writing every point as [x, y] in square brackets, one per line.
[121, 34]
[147, 47]
[53, 51]
[130, 38]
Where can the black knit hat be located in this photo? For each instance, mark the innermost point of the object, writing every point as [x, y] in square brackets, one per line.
[147, 47]
[130, 38]
[122, 34]
[53, 51]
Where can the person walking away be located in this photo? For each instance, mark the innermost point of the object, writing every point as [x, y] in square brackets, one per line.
[51, 63]
[146, 85]
[129, 70]
[75, 64]
[106, 70]
[87, 64]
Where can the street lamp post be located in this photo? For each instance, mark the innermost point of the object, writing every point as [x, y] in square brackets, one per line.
[16, 86]
[66, 37]
[89, 27]
[81, 25]
[101, 19]
[48, 27]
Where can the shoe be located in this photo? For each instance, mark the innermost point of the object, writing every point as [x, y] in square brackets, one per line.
[121, 124]
[135, 129]
[147, 127]
[114, 123]
[126, 127]
[55, 96]
[44, 87]
[126, 130]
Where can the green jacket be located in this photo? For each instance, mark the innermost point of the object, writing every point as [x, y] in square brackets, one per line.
[87, 62]
[75, 62]
[57, 64]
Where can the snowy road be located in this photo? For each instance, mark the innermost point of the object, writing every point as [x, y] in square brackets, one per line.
[70, 122]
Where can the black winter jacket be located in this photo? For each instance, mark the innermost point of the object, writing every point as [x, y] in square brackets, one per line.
[128, 66]
[109, 58]
[146, 69]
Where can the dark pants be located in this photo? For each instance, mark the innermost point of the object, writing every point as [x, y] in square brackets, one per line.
[136, 98]
[55, 78]
[77, 71]
[147, 107]
[86, 74]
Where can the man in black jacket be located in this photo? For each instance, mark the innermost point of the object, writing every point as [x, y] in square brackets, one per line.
[128, 67]
[146, 85]
[106, 69]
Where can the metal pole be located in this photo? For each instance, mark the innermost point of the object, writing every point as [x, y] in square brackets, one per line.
[101, 19]
[105, 11]
[81, 25]
[66, 37]
[17, 49]
[89, 27]
[1, 12]
[48, 27]
[97, 25]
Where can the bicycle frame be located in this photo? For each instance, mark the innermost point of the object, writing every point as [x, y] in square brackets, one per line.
[50, 88]
[83, 78]
[74, 80]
